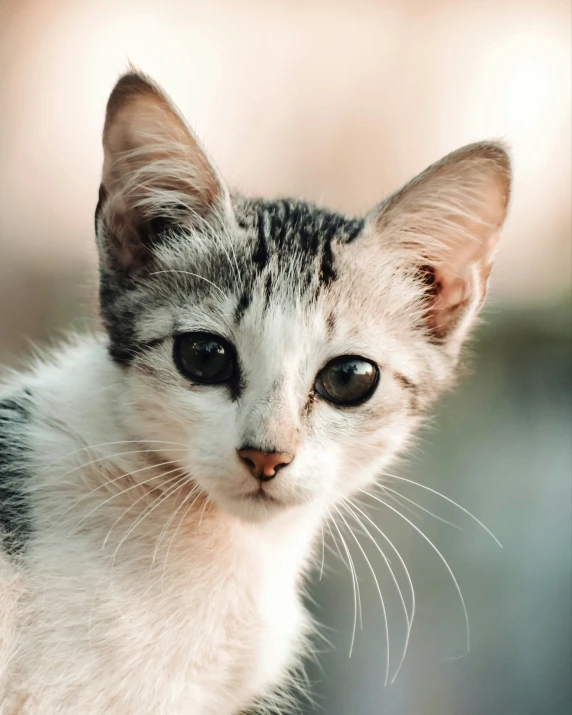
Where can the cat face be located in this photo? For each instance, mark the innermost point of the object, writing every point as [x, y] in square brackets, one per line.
[288, 351]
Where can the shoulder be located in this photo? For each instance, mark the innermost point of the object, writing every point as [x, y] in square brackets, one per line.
[59, 403]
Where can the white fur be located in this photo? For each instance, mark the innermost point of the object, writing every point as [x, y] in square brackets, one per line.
[201, 631]
[153, 583]
[207, 618]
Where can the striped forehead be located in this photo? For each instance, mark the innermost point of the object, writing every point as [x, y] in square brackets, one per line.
[289, 248]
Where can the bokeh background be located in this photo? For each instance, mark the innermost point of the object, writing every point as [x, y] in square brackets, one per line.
[341, 102]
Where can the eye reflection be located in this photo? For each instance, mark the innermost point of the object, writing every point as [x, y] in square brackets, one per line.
[204, 357]
[347, 380]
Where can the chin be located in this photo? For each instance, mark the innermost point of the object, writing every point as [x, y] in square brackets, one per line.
[257, 506]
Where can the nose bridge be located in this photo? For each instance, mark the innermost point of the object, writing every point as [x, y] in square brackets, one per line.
[271, 422]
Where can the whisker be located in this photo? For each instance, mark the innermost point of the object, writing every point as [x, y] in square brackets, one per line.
[383, 608]
[343, 560]
[409, 510]
[203, 510]
[399, 495]
[443, 559]
[164, 530]
[355, 583]
[217, 233]
[394, 549]
[181, 520]
[347, 563]
[123, 475]
[408, 619]
[169, 521]
[154, 504]
[145, 495]
[110, 444]
[110, 457]
[323, 550]
[195, 275]
[116, 479]
[360, 610]
[451, 501]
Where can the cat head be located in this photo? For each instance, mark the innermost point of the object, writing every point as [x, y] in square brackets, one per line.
[288, 350]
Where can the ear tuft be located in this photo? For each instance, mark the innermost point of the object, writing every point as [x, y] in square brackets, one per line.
[156, 174]
[445, 224]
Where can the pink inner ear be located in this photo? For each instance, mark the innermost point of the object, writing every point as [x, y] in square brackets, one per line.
[148, 151]
[467, 245]
[154, 168]
[453, 291]
[449, 219]
[457, 285]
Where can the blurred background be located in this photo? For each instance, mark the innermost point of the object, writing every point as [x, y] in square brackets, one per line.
[341, 102]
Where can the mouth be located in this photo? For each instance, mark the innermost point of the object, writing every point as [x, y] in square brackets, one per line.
[255, 505]
[260, 496]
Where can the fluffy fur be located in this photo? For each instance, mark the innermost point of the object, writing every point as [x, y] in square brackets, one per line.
[138, 575]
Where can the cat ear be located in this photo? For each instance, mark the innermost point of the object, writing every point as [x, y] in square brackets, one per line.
[445, 224]
[156, 175]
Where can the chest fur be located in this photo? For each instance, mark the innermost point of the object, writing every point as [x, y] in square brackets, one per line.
[201, 627]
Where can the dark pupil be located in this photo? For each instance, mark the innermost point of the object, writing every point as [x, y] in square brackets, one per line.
[205, 359]
[348, 381]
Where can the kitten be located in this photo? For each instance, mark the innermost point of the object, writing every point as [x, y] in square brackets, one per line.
[163, 485]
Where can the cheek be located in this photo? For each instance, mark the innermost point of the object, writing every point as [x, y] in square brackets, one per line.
[317, 464]
[322, 452]
[368, 448]
[202, 422]
[213, 439]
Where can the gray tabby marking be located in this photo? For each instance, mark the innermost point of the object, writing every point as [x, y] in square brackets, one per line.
[15, 523]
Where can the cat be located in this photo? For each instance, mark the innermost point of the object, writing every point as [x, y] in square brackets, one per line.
[163, 484]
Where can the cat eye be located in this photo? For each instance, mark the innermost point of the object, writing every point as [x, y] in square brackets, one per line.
[204, 357]
[347, 380]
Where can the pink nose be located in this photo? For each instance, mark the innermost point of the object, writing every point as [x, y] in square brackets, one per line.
[264, 465]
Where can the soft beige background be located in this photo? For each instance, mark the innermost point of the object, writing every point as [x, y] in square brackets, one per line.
[341, 102]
